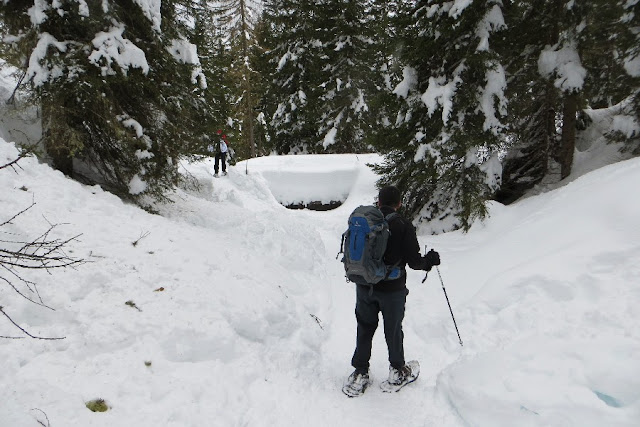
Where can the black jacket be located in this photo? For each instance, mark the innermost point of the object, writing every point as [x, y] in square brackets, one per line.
[402, 248]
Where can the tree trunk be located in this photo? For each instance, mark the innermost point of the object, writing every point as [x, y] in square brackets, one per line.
[249, 118]
[549, 142]
[248, 113]
[56, 137]
[568, 138]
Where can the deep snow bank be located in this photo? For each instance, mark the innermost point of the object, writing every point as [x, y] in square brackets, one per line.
[551, 315]
[302, 179]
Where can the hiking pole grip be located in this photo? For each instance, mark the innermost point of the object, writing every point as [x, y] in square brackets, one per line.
[449, 304]
[427, 271]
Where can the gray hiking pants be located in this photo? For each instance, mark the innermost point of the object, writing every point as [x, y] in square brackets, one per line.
[391, 304]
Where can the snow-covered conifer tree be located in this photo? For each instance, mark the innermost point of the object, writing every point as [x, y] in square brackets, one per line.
[293, 54]
[238, 19]
[348, 84]
[215, 58]
[322, 76]
[384, 18]
[449, 132]
[570, 58]
[630, 58]
[119, 85]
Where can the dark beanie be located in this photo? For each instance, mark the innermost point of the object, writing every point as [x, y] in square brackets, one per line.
[389, 196]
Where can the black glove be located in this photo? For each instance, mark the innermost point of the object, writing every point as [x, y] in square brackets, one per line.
[430, 259]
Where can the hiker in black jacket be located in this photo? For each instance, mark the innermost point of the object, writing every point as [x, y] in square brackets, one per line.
[388, 296]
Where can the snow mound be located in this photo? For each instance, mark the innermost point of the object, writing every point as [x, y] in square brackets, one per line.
[303, 179]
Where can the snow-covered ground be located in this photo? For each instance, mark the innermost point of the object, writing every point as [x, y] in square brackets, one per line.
[254, 324]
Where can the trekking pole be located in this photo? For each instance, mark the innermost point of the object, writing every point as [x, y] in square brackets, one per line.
[450, 310]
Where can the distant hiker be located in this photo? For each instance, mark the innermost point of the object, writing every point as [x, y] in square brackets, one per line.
[221, 150]
[389, 297]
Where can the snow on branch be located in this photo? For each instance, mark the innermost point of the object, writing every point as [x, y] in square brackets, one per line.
[441, 93]
[38, 12]
[187, 53]
[492, 21]
[151, 9]
[632, 65]
[40, 71]
[111, 47]
[492, 94]
[564, 64]
[408, 83]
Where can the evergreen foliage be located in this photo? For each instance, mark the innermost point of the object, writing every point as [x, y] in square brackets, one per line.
[120, 98]
[216, 58]
[238, 19]
[325, 71]
[534, 101]
[448, 134]
[630, 58]
[293, 55]
[570, 39]
[427, 83]
[347, 84]
[387, 22]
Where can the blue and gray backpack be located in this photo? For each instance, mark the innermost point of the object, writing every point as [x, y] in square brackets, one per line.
[363, 246]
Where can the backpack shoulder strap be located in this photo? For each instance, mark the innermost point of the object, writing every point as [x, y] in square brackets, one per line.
[391, 216]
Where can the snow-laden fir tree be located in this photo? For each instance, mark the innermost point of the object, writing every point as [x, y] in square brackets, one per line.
[349, 38]
[118, 84]
[293, 73]
[630, 59]
[534, 100]
[323, 74]
[569, 58]
[238, 19]
[384, 17]
[215, 58]
[448, 135]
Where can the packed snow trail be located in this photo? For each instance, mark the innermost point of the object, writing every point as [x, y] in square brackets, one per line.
[247, 320]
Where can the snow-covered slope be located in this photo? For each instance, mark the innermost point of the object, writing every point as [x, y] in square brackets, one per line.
[254, 325]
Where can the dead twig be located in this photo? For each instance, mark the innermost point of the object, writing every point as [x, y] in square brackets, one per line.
[48, 424]
[27, 333]
[44, 252]
[314, 317]
[142, 236]
[12, 98]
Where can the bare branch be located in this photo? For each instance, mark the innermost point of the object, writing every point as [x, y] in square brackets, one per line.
[27, 283]
[46, 417]
[18, 214]
[43, 252]
[142, 236]
[12, 163]
[24, 152]
[12, 98]
[27, 333]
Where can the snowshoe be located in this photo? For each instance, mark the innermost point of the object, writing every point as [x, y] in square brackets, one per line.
[399, 378]
[356, 384]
